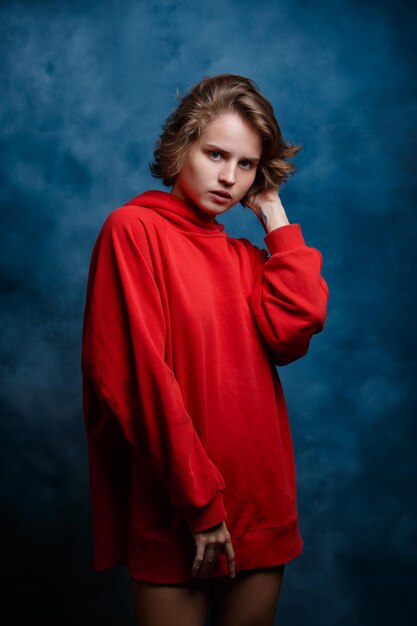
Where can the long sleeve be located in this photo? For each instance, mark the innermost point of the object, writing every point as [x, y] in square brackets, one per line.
[123, 348]
[289, 298]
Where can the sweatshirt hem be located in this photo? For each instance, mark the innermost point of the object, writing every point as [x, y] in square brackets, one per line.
[256, 549]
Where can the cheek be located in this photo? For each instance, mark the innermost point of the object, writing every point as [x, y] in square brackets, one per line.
[194, 170]
[202, 163]
[189, 174]
[249, 179]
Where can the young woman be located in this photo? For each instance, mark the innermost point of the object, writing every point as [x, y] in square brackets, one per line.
[192, 474]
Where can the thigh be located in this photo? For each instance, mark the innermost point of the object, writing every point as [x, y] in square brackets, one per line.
[250, 599]
[170, 605]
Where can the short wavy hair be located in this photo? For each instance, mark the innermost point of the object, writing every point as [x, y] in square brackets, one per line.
[199, 106]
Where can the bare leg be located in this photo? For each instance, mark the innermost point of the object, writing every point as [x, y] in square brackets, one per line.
[250, 599]
[170, 605]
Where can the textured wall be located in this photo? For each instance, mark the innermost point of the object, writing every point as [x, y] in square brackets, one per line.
[86, 87]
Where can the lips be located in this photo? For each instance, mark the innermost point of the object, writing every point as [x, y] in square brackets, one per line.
[223, 194]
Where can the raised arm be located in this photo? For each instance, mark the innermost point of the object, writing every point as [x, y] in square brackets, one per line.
[289, 299]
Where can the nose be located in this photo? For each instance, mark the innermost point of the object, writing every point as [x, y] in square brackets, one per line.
[228, 175]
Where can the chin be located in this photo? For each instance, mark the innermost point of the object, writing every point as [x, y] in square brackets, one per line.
[201, 204]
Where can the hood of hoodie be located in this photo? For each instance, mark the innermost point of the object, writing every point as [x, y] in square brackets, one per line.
[183, 214]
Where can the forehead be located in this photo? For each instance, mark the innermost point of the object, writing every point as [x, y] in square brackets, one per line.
[231, 132]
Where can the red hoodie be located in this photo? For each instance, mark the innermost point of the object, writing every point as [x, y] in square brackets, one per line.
[184, 412]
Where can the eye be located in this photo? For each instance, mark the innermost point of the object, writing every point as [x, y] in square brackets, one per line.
[249, 165]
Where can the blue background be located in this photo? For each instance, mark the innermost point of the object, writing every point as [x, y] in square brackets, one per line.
[85, 90]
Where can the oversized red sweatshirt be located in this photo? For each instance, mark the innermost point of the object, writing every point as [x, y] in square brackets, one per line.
[184, 411]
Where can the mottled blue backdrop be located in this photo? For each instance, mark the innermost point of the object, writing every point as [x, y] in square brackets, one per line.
[86, 87]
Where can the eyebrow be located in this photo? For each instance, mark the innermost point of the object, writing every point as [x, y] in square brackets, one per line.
[210, 145]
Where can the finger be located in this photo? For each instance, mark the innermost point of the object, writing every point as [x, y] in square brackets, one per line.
[199, 557]
[230, 558]
[208, 561]
[218, 550]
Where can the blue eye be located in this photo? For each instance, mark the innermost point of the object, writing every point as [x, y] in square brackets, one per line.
[247, 167]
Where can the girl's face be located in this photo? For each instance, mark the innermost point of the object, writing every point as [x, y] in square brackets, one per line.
[224, 159]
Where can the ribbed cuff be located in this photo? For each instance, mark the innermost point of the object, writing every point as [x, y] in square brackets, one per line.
[211, 515]
[284, 238]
